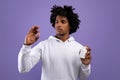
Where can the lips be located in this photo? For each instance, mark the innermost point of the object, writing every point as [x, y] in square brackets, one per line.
[59, 29]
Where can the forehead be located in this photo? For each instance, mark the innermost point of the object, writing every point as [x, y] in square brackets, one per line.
[61, 17]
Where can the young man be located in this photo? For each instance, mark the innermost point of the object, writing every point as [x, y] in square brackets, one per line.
[60, 53]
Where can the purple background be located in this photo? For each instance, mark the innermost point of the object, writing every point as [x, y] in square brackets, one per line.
[100, 29]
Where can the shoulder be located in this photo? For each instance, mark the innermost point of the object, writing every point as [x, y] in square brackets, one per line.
[46, 41]
[75, 43]
[43, 42]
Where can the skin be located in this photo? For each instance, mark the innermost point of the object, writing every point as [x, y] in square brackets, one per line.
[62, 29]
[32, 36]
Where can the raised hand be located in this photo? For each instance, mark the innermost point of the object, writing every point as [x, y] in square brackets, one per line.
[87, 59]
[32, 36]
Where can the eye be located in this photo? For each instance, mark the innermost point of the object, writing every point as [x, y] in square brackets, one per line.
[63, 21]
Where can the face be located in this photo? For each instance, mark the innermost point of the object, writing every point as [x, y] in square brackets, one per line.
[62, 26]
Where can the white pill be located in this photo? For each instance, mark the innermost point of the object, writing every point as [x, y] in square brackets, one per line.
[82, 52]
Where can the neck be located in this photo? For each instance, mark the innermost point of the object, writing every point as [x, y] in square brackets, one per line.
[63, 38]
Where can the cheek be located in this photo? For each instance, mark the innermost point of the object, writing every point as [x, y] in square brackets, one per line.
[67, 28]
[55, 27]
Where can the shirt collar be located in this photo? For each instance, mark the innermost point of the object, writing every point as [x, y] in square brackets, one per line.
[68, 40]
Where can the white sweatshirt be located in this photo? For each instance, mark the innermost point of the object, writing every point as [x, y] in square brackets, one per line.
[60, 60]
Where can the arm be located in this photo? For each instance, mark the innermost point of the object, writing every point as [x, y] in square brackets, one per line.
[85, 71]
[85, 68]
[28, 56]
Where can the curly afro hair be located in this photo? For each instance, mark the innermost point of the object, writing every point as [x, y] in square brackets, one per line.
[66, 11]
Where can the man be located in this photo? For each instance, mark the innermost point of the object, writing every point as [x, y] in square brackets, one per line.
[60, 53]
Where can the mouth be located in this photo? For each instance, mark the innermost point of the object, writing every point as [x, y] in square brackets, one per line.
[58, 30]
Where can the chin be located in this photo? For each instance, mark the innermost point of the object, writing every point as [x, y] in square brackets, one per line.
[60, 34]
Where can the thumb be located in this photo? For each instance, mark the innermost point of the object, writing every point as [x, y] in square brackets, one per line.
[37, 36]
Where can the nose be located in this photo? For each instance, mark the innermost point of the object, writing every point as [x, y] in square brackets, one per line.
[58, 24]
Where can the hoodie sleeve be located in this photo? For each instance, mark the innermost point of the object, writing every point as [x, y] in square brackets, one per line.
[28, 57]
[85, 71]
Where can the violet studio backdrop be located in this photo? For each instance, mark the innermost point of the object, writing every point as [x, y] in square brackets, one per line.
[100, 29]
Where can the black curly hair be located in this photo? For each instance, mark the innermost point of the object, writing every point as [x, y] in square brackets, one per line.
[66, 11]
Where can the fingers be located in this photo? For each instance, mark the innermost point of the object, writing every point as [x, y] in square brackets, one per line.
[88, 56]
[37, 36]
[35, 32]
[32, 36]
[88, 48]
[34, 29]
[87, 59]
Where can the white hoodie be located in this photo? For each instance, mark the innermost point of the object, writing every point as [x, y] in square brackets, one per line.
[60, 60]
